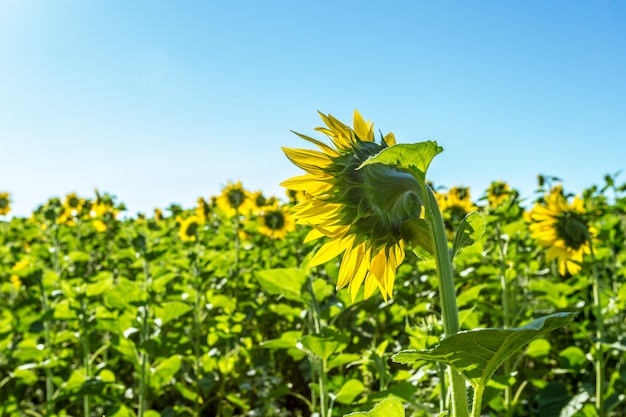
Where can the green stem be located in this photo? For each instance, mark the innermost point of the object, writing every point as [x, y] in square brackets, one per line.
[143, 371]
[86, 351]
[47, 340]
[447, 293]
[599, 359]
[506, 315]
[478, 399]
[319, 363]
[197, 319]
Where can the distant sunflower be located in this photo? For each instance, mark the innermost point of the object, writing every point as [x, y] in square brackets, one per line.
[456, 204]
[497, 193]
[561, 227]
[234, 199]
[5, 204]
[188, 231]
[276, 222]
[202, 210]
[361, 211]
[295, 196]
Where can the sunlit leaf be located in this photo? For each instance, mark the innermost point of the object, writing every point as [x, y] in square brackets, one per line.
[477, 354]
[470, 230]
[351, 389]
[390, 407]
[415, 157]
[287, 282]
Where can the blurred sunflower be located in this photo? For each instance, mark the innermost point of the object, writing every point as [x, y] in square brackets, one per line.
[295, 196]
[188, 231]
[455, 204]
[158, 215]
[103, 212]
[361, 210]
[276, 221]
[202, 210]
[497, 193]
[5, 204]
[561, 227]
[234, 199]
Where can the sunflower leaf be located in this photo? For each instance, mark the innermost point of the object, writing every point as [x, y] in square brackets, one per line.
[391, 407]
[470, 230]
[287, 282]
[477, 354]
[415, 157]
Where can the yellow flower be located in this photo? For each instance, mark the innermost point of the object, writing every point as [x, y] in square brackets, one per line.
[234, 200]
[103, 212]
[5, 204]
[295, 196]
[202, 210]
[158, 215]
[16, 282]
[455, 204]
[189, 229]
[497, 193]
[360, 210]
[276, 222]
[561, 228]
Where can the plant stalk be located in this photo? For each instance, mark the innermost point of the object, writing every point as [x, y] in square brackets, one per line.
[447, 293]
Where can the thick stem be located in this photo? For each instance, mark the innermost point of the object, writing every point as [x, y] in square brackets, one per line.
[447, 293]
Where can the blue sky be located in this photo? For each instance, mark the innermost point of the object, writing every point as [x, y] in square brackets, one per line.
[162, 102]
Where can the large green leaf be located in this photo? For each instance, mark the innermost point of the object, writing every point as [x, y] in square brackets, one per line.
[390, 407]
[477, 354]
[287, 282]
[414, 157]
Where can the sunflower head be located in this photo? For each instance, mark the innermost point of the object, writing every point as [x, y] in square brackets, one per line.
[455, 205]
[361, 208]
[188, 231]
[5, 204]
[234, 199]
[497, 193]
[202, 210]
[276, 221]
[562, 228]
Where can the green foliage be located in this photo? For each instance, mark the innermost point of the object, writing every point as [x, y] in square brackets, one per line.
[133, 321]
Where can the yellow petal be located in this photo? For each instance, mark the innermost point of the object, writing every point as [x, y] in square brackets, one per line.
[311, 161]
[328, 251]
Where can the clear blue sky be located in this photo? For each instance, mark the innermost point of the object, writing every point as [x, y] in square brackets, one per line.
[161, 102]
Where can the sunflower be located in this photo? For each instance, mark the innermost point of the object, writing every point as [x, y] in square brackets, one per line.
[202, 210]
[276, 221]
[188, 231]
[5, 204]
[295, 196]
[497, 193]
[361, 210]
[103, 212]
[234, 199]
[455, 204]
[561, 227]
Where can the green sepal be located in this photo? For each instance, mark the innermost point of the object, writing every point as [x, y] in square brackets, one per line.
[417, 233]
[477, 354]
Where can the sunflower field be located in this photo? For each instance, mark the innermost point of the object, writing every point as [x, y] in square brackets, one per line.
[332, 300]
